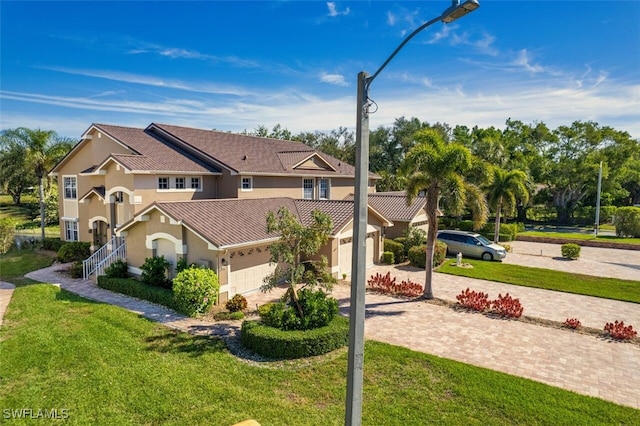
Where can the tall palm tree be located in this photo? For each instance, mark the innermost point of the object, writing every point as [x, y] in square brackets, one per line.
[43, 149]
[439, 169]
[505, 189]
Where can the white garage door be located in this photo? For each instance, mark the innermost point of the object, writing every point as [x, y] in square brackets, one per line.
[346, 248]
[248, 269]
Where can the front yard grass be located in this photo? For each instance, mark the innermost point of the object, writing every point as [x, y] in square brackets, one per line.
[580, 236]
[15, 263]
[109, 366]
[608, 288]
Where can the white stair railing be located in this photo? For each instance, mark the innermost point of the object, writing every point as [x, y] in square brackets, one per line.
[103, 257]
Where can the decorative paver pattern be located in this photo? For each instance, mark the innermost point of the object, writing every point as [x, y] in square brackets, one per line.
[6, 291]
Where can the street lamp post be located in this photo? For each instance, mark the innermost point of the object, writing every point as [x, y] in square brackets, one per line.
[355, 366]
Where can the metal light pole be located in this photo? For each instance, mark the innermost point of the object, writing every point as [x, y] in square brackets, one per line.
[597, 224]
[353, 416]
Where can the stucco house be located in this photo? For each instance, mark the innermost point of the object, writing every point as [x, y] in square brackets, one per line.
[204, 195]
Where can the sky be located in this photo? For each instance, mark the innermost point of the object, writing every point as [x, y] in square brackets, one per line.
[234, 66]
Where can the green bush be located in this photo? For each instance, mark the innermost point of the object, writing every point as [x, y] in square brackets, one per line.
[53, 244]
[627, 221]
[388, 258]
[265, 309]
[7, 231]
[76, 270]
[418, 255]
[318, 311]
[135, 288]
[154, 272]
[196, 290]
[74, 251]
[118, 269]
[414, 237]
[236, 304]
[570, 251]
[396, 248]
[279, 344]
[502, 237]
[226, 316]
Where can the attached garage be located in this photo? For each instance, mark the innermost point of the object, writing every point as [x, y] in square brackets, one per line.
[248, 268]
[346, 251]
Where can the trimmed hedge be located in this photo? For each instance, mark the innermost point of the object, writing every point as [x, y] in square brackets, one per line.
[387, 258]
[418, 256]
[53, 244]
[396, 248]
[274, 343]
[570, 251]
[74, 251]
[134, 288]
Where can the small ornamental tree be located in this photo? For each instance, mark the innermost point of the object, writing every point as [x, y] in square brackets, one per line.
[195, 290]
[297, 240]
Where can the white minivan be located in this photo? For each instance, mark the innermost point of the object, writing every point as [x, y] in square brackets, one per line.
[471, 244]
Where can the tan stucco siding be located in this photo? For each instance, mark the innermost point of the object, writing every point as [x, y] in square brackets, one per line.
[116, 177]
[91, 208]
[228, 185]
[271, 187]
[137, 251]
[397, 230]
[102, 146]
[146, 190]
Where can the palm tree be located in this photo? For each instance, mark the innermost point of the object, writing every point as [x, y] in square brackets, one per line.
[438, 169]
[507, 186]
[42, 150]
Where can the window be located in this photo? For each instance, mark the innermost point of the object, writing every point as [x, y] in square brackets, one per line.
[247, 183]
[180, 183]
[118, 197]
[163, 183]
[71, 230]
[307, 189]
[70, 188]
[323, 188]
[195, 183]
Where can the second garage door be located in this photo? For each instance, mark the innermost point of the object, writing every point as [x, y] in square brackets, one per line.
[249, 267]
[346, 248]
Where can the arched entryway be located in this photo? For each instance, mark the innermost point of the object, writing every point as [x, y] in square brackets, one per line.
[100, 233]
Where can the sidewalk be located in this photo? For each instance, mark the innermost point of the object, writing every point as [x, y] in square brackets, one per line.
[582, 363]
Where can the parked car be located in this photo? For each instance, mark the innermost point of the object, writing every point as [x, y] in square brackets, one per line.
[471, 244]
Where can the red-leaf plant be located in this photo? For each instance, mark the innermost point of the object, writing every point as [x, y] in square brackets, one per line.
[572, 323]
[387, 285]
[618, 330]
[507, 306]
[476, 301]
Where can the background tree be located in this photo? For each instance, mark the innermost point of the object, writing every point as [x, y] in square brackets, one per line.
[296, 240]
[15, 177]
[438, 169]
[42, 149]
[506, 188]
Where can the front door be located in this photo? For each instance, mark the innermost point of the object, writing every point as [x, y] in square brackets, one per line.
[99, 233]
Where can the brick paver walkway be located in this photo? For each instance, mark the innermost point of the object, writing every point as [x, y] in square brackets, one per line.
[6, 291]
[577, 362]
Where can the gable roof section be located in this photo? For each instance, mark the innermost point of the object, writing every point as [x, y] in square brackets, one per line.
[227, 223]
[244, 154]
[96, 190]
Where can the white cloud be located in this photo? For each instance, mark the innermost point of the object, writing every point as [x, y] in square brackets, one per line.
[336, 79]
[524, 59]
[333, 10]
[391, 18]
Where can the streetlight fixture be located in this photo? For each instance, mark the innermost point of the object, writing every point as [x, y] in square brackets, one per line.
[353, 414]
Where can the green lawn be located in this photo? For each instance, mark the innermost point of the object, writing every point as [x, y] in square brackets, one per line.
[109, 366]
[16, 263]
[608, 288]
[22, 216]
[579, 236]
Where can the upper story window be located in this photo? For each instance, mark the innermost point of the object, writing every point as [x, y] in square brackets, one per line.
[180, 183]
[195, 183]
[70, 188]
[163, 183]
[307, 189]
[247, 183]
[323, 188]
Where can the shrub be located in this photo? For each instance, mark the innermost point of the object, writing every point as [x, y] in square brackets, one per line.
[396, 248]
[226, 316]
[318, 311]
[196, 290]
[417, 256]
[502, 237]
[265, 309]
[439, 254]
[118, 269]
[7, 232]
[627, 221]
[572, 323]
[388, 258]
[385, 284]
[414, 237]
[154, 271]
[181, 265]
[476, 301]
[135, 288]
[507, 306]
[619, 331]
[236, 304]
[53, 244]
[74, 251]
[278, 344]
[570, 251]
[76, 270]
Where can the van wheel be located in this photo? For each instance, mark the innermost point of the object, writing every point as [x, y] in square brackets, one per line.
[487, 256]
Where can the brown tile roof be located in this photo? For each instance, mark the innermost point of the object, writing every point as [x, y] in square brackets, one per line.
[393, 205]
[252, 154]
[230, 222]
[150, 153]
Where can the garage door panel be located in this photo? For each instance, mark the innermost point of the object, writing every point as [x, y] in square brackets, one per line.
[346, 252]
[249, 270]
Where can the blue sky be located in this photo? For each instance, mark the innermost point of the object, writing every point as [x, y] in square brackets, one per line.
[237, 65]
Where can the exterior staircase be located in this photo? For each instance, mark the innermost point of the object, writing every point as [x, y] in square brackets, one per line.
[116, 249]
